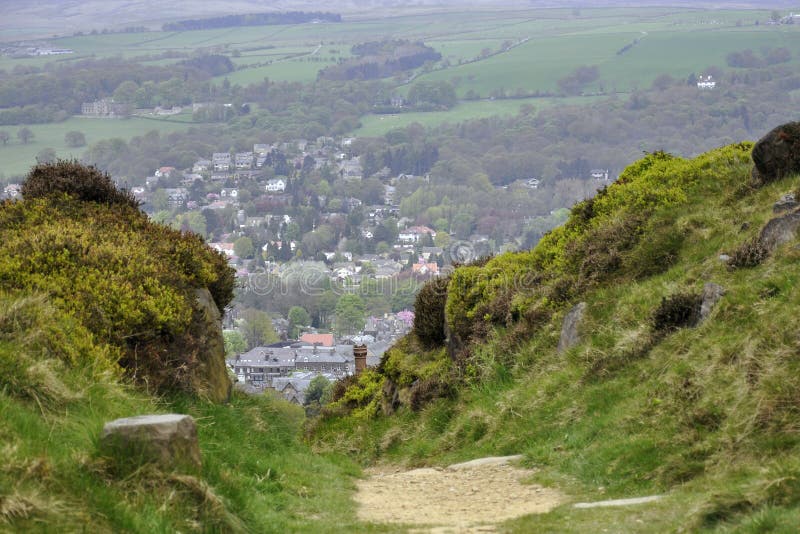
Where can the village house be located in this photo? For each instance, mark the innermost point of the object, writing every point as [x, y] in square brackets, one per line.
[415, 234]
[225, 248]
[244, 160]
[164, 172]
[706, 82]
[425, 268]
[276, 185]
[600, 174]
[105, 107]
[261, 149]
[229, 192]
[351, 169]
[323, 340]
[221, 161]
[176, 196]
[201, 165]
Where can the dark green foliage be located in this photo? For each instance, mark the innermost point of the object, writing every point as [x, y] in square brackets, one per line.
[81, 182]
[750, 254]
[676, 311]
[429, 312]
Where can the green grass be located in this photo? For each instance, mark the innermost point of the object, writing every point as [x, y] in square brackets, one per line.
[60, 388]
[17, 158]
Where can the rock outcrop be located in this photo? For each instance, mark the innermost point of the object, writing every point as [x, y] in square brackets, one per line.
[210, 379]
[780, 230]
[168, 441]
[777, 154]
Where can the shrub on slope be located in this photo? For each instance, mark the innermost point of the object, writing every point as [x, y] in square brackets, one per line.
[131, 282]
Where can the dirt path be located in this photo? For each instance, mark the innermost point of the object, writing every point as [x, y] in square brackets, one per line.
[470, 497]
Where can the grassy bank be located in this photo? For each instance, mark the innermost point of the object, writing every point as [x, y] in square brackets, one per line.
[705, 415]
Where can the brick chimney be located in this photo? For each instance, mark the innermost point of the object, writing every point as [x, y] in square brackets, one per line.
[360, 354]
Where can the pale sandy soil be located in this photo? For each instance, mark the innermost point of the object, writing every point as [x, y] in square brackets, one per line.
[470, 497]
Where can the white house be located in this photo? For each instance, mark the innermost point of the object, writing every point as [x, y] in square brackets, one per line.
[276, 185]
[706, 82]
[414, 234]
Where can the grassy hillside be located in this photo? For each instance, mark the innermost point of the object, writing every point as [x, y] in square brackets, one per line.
[648, 401]
[98, 321]
[59, 391]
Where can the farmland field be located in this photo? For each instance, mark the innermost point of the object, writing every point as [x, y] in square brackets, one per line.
[17, 158]
[485, 53]
[377, 125]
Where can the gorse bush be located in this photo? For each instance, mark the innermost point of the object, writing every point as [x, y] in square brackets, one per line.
[127, 280]
[81, 182]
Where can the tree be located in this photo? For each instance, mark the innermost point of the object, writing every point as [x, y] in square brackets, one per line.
[243, 247]
[4, 137]
[257, 328]
[235, 343]
[298, 316]
[319, 391]
[25, 135]
[74, 139]
[46, 155]
[350, 314]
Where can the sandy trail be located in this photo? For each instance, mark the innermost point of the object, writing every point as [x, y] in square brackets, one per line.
[470, 497]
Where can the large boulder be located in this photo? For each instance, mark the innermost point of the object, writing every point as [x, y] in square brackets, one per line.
[168, 441]
[210, 377]
[780, 230]
[777, 154]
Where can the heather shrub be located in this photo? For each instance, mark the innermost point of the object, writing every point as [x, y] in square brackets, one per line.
[750, 254]
[676, 311]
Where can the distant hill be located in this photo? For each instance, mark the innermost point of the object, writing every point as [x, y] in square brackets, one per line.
[22, 19]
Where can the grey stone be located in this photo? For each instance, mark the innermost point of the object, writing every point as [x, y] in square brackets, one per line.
[786, 203]
[569, 328]
[618, 502]
[780, 230]
[489, 461]
[724, 257]
[210, 379]
[711, 295]
[169, 441]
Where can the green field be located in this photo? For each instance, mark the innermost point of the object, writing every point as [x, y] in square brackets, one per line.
[677, 41]
[17, 158]
[377, 125]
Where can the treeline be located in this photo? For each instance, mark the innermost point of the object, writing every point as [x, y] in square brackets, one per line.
[284, 111]
[252, 19]
[749, 60]
[45, 95]
[381, 60]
